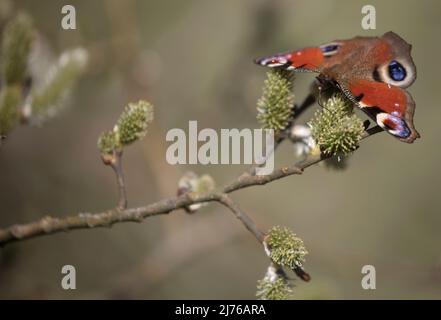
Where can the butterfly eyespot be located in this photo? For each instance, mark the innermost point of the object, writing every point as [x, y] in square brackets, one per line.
[396, 71]
[393, 124]
[330, 49]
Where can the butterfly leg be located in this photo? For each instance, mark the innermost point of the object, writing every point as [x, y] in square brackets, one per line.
[297, 110]
[307, 102]
[318, 89]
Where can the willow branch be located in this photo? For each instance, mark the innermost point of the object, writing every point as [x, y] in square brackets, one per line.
[114, 160]
[50, 225]
[242, 216]
[117, 168]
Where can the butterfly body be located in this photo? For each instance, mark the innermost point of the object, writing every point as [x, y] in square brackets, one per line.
[371, 71]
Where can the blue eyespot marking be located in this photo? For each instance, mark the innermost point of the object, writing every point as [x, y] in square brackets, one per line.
[329, 49]
[395, 125]
[397, 71]
[401, 128]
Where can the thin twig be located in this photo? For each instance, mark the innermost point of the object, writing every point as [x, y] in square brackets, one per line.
[114, 160]
[309, 101]
[242, 216]
[117, 168]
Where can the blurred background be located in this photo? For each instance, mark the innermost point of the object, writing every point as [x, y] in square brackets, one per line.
[193, 60]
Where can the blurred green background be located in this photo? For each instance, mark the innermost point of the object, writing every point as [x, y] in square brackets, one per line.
[193, 60]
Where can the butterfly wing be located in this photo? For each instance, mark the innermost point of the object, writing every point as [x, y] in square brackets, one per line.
[390, 106]
[372, 71]
[304, 60]
[381, 73]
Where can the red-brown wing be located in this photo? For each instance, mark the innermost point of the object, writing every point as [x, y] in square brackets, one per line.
[390, 106]
[308, 59]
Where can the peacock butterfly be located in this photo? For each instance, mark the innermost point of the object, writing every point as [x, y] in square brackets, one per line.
[371, 71]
